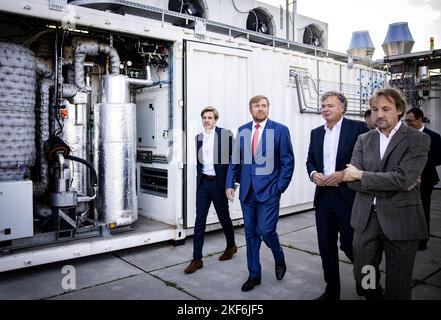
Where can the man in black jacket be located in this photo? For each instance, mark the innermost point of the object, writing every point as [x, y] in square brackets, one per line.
[214, 148]
[330, 149]
[429, 177]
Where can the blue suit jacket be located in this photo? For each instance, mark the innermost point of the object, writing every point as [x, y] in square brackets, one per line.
[270, 171]
[223, 146]
[350, 130]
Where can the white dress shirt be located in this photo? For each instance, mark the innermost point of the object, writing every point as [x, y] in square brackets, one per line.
[261, 128]
[208, 152]
[384, 142]
[330, 147]
[422, 128]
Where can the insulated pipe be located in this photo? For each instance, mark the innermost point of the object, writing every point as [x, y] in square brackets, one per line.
[69, 90]
[42, 68]
[41, 186]
[139, 82]
[88, 47]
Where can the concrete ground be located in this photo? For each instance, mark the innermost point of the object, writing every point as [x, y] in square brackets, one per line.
[156, 272]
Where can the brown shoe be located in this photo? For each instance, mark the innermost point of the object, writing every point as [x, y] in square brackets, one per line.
[228, 253]
[194, 265]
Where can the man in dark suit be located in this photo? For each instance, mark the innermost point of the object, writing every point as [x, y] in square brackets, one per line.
[263, 164]
[368, 119]
[214, 148]
[330, 149]
[387, 214]
[429, 177]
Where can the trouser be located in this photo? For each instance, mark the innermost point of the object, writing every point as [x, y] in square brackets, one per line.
[426, 197]
[400, 258]
[207, 192]
[333, 216]
[260, 223]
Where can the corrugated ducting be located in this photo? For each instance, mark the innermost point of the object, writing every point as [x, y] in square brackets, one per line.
[17, 114]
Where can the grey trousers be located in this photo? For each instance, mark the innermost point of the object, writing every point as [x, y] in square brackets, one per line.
[400, 258]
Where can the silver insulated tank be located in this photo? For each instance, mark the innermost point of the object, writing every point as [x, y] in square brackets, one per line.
[115, 153]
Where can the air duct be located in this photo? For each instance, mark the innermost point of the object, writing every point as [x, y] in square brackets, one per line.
[361, 45]
[398, 39]
[87, 47]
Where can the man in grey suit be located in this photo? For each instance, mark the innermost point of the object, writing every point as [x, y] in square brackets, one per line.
[387, 214]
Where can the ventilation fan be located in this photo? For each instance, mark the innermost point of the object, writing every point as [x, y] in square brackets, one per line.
[260, 21]
[191, 7]
[314, 36]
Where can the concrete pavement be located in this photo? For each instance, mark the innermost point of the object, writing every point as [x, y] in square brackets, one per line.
[156, 272]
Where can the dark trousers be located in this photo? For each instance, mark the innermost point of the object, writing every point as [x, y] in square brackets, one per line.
[400, 258]
[207, 192]
[260, 223]
[332, 216]
[426, 197]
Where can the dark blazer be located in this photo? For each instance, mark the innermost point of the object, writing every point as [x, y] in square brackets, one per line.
[399, 211]
[350, 130]
[430, 175]
[223, 146]
[270, 171]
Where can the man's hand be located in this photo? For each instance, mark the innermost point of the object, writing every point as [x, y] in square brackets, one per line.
[351, 173]
[230, 194]
[319, 179]
[415, 184]
[335, 178]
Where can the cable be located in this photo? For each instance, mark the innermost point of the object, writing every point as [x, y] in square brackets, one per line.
[237, 9]
[87, 164]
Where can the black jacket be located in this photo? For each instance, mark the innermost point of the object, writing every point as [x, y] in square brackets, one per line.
[430, 175]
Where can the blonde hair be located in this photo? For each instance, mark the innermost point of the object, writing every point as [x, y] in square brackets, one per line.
[210, 109]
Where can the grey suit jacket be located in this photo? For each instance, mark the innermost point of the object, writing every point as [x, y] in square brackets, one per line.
[400, 212]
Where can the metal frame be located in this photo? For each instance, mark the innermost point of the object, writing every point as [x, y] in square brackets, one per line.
[212, 26]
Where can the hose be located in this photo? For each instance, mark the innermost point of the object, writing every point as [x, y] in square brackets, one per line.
[87, 164]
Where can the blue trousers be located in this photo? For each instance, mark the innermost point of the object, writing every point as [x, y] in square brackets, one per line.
[260, 223]
[207, 192]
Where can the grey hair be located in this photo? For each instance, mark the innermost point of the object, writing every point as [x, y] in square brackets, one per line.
[340, 96]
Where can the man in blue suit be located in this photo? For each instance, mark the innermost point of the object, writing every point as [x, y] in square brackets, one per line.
[263, 164]
[214, 147]
[330, 149]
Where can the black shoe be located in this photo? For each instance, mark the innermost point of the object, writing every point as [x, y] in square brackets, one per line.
[422, 246]
[280, 270]
[250, 284]
[328, 297]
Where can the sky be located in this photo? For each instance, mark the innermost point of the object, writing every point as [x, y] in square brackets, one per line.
[345, 16]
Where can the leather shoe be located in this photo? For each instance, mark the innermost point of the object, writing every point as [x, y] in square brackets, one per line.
[328, 297]
[228, 253]
[194, 265]
[280, 270]
[250, 284]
